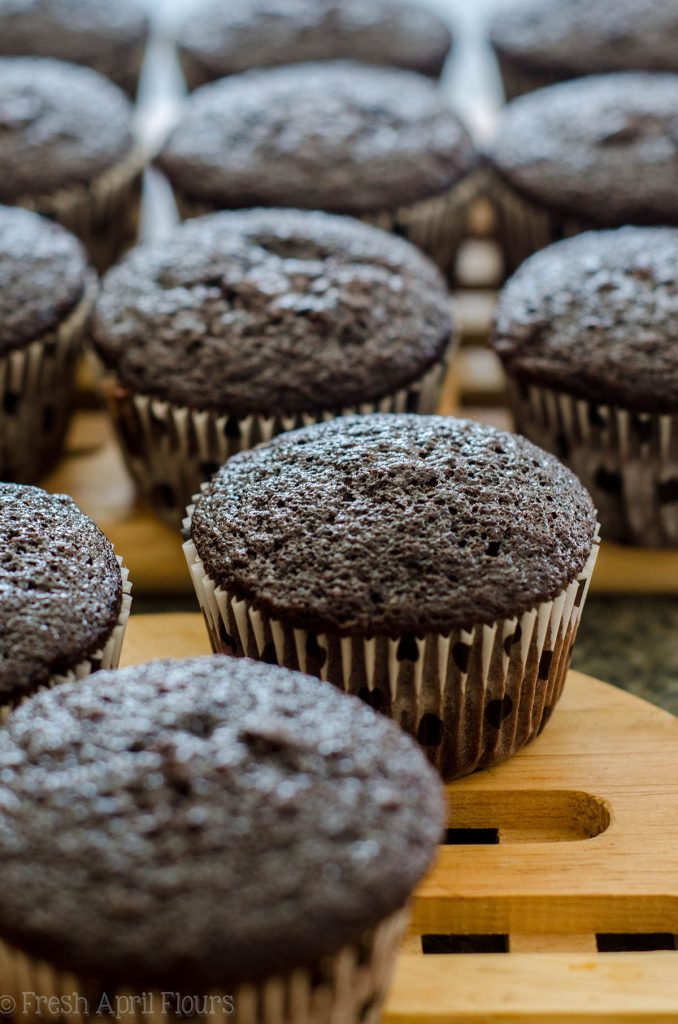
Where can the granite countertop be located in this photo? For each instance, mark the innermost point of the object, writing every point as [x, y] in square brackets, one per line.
[633, 643]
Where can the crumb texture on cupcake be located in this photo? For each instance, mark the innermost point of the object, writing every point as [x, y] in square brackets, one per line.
[62, 126]
[60, 588]
[391, 524]
[228, 38]
[272, 311]
[199, 823]
[336, 136]
[597, 316]
[106, 36]
[603, 147]
[43, 272]
[578, 37]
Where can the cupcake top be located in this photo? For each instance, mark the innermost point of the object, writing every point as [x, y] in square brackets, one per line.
[205, 822]
[90, 32]
[384, 525]
[52, 121]
[597, 316]
[579, 37]
[274, 312]
[43, 272]
[336, 136]
[604, 148]
[243, 34]
[60, 588]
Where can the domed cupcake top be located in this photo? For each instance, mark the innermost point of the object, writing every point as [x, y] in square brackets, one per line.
[43, 271]
[597, 316]
[336, 136]
[384, 525]
[577, 37]
[60, 588]
[83, 31]
[61, 125]
[604, 148]
[272, 311]
[245, 34]
[205, 822]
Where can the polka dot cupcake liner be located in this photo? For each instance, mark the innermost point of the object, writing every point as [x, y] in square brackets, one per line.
[437, 225]
[171, 450]
[471, 698]
[36, 389]
[106, 657]
[523, 227]
[628, 461]
[349, 987]
[104, 214]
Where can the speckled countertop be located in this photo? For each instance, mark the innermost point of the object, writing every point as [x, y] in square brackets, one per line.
[632, 642]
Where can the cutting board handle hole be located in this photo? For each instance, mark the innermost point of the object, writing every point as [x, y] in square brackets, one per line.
[486, 817]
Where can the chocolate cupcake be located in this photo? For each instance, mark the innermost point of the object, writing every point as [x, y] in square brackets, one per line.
[221, 40]
[210, 833]
[433, 566]
[68, 152]
[372, 142]
[64, 598]
[586, 330]
[541, 42]
[594, 153]
[46, 296]
[241, 325]
[109, 37]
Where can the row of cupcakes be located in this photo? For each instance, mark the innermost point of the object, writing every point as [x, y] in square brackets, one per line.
[380, 144]
[537, 42]
[239, 326]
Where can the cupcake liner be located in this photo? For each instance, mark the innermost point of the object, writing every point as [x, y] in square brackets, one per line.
[437, 225]
[107, 656]
[347, 988]
[104, 214]
[36, 388]
[627, 460]
[523, 227]
[170, 450]
[471, 698]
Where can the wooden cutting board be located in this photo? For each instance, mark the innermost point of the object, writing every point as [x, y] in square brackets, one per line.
[567, 850]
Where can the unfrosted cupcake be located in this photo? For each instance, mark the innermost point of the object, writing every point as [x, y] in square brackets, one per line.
[596, 152]
[587, 331]
[64, 599]
[224, 39]
[109, 37]
[376, 143]
[434, 566]
[46, 295]
[242, 325]
[209, 838]
[68, 152]
[540, 42]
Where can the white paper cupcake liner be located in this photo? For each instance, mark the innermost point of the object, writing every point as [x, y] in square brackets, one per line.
[106, 657]
[471, 698]
[628, 461]
[36, 388]
[104, 214]
[524, 227]
[170, 450]
[437, 225]
[347, 988]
